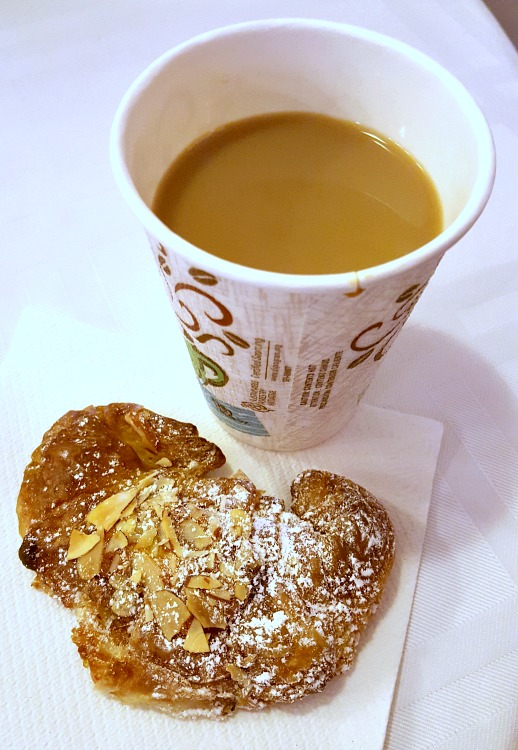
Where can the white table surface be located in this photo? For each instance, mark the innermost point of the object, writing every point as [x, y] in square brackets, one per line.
[69, 245]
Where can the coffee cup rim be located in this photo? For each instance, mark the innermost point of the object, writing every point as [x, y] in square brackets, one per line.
[350, 280]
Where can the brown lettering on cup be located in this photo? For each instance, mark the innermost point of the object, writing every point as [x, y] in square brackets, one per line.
[364, 341]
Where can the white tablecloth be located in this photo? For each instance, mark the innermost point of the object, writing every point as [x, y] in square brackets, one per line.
[69, 246]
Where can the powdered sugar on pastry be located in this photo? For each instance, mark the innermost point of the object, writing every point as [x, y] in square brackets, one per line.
[199, 595]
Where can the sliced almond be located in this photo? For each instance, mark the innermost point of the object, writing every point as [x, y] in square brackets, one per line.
[151, 572]
[118, 579]
[136, 576]
[81, 543]
[203, 582]
[146, 492]
[108, 511]
[124, 601]
[127, 525]
[165, 462]
[161, 537]
[191, 530]
[89, 564]
[194, 511]
[210, 560]
[157, 506]
[115, 563]
[240, 522]
[129, 509]
[146, 539]
[196, 641]
[147, 480]
[239, 514]
[169, 611]
[202, 542]
[214, 527]
[223, 594]
[198, 608]
[118, 540]
[167, 485]
[241, 591]
[195, 553]
[171, 562]
[148, 613]
[227, 570]
[170, 533]
[205, 610]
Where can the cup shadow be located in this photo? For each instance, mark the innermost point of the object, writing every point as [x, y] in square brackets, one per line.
[432, 374]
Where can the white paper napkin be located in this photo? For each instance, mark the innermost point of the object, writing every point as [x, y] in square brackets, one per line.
[48, 700]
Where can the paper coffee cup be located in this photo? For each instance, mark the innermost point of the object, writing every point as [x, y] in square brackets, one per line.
[283, 360]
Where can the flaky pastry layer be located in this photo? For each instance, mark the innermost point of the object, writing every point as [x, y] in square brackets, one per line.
[197, 595]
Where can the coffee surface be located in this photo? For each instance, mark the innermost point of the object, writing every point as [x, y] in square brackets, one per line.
[301, 193]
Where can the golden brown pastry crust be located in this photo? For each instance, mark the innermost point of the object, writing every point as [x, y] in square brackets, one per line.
[195, 594]
[84, 457]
